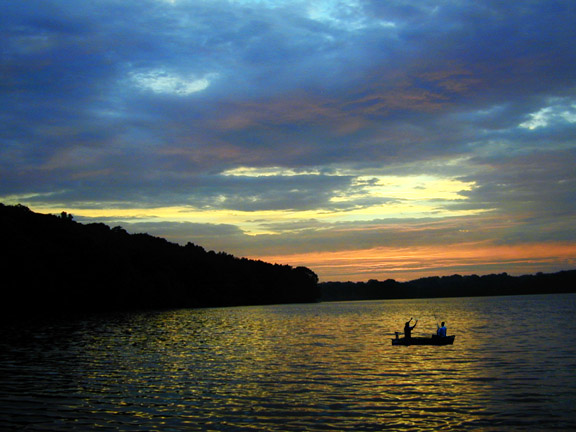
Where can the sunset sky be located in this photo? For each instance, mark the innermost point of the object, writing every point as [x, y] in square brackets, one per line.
[365, 140]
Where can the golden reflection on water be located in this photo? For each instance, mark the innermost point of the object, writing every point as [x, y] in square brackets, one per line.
[304, 367]
[299, 365]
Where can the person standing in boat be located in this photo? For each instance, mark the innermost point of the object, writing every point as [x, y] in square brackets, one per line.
[441, 330]
[408, 329]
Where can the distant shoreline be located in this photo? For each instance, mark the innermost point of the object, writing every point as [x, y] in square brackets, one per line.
[454, 286]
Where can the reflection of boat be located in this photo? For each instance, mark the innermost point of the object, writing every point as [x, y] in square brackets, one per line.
[434, 340]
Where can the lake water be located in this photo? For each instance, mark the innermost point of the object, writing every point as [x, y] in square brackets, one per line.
[312, 367]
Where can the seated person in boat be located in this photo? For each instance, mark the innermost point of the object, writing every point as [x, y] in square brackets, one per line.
[408, 329]
[441, 330]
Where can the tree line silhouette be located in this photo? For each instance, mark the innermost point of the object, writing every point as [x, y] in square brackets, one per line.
[55, 263]
[451, 286]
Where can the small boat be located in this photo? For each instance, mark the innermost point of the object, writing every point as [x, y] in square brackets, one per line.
[433, 340]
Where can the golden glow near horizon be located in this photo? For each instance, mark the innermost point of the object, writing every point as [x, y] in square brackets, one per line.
[405, 199]
[405, 263]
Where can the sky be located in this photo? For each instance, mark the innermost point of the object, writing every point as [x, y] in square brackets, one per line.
[376, 139]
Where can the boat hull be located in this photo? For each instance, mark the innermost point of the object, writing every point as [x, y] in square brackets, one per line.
[434, 340]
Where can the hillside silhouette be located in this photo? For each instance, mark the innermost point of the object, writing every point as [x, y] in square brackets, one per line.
[54, 263]
[451, 286]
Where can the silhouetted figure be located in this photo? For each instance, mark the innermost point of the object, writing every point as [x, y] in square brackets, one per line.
[408, 329]
[441, 330]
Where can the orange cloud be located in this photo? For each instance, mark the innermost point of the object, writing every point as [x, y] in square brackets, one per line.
[293, 110]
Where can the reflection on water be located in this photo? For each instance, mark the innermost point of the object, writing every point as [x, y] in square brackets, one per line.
[311, 367]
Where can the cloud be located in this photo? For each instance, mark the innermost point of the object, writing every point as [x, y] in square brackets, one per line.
[535, 185]
[272, 115]
[558, 112]
[163, 82]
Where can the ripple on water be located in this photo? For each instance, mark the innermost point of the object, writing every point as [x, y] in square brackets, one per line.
[292, 368]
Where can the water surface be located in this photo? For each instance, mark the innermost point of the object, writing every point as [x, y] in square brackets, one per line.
[313, 367]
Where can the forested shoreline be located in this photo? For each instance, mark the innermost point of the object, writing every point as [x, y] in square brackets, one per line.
[55, 263]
